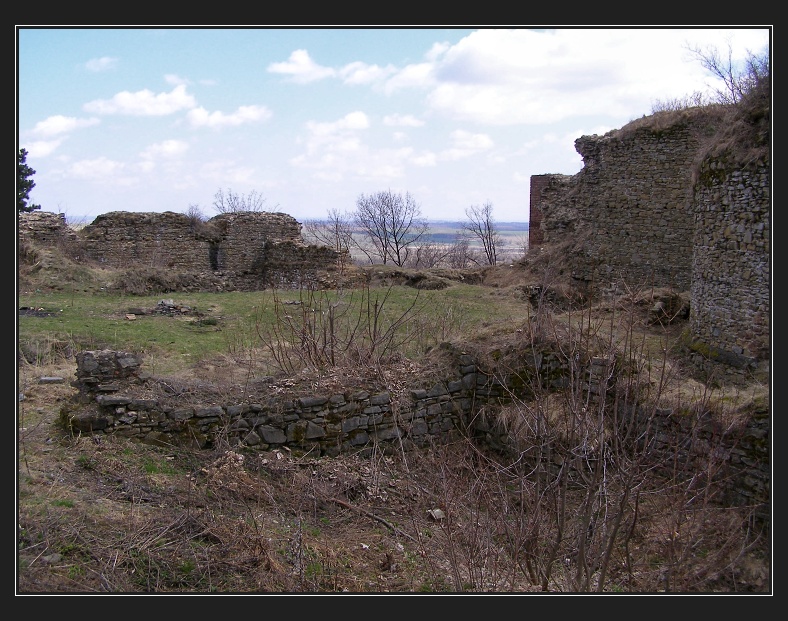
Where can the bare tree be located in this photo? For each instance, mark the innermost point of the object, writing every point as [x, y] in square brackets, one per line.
[522, 244]
[481, 225]
[739, 79]
[335, 232]
[428, 255]
[232, 202]
[194, 213]
[391, 223]
[461, 255]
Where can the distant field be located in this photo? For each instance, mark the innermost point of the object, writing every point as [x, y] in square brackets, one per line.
[445, 231]
[513, 236]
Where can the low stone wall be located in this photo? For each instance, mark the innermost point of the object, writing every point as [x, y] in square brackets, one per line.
[319, 424]
[464, 405]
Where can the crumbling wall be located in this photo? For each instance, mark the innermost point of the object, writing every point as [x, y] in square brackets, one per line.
[244, 238]
[366, 419]
[169, 240]
[640, 214]
[634, 199]
[731, 275]
[250, 250]
[45, 227]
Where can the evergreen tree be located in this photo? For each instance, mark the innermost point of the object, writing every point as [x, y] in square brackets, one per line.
[24, 183]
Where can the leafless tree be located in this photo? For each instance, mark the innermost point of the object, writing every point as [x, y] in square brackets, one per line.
[481, 225]
[194, 213]
[428, 255]
[391, 224]
[232, 202]
[739, 79]
[461, 255]
[520, 246]
[336, 231]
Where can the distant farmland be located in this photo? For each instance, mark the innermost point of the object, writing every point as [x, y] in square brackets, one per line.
[446, 231]
[513, 237]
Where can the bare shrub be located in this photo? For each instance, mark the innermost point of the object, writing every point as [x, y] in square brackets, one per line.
[323, 330]
[233, 202]
[600, 494]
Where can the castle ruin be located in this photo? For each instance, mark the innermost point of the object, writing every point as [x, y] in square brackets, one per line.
[652, 209]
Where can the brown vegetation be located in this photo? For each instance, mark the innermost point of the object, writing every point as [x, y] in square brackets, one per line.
[580, 505]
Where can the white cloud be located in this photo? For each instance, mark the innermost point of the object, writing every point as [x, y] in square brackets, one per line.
[226, 173]
[42, 148]
[417, 75]
[402, 120]
[351, 121]
[200, 117]
[362, 73]
[465, 144]
[532, 77]
[301, 68]
[104, 63]
[166, 149]
[437, 50]
[59, 124]
[99, 169]
[334, 151]
[143, 103]
[175, 80]
[522, 76]
[425, 159]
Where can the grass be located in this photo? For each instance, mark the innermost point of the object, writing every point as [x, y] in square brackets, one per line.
[229, 324]
[131, 517]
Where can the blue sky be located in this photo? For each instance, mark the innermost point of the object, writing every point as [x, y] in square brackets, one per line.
[156, 119]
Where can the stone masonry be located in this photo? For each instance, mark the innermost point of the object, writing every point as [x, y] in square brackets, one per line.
[642, 217]
[253, 250]
[375, 419]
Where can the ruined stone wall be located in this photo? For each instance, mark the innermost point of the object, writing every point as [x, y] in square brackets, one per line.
[639, 213]
[731, 276]
[539, 183]
[46, 228]
[633, 198]
[251, 250]
[165, 240]
[244, 236]
[361, 420]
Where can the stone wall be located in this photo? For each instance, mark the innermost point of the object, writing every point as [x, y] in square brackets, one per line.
[634, 199]
[640, 216]
[252, 250]
[539, 183]
[731, 268]
[463, 404]
[163, 240]
[46, 228]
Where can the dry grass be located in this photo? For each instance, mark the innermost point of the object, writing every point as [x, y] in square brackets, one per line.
[107, 515]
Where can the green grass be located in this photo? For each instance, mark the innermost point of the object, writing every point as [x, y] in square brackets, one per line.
[230, 323]
[157, 466]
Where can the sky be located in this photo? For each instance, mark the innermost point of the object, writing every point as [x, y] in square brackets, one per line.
[155, 119]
